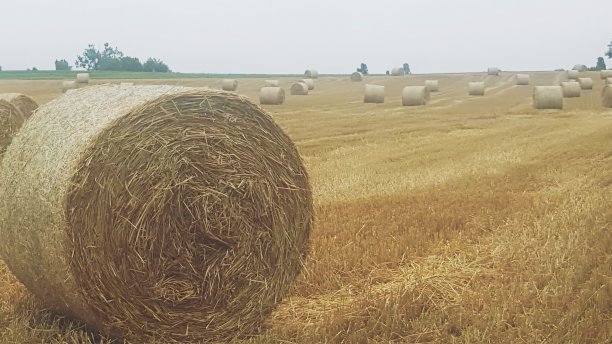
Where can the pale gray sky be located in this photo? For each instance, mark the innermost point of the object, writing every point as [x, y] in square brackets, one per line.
[332, 36]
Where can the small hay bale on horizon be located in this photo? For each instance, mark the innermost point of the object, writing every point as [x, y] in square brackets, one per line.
[311, 74]
[493, 71]
[415, 95]
[522, 79]
[374, 94]
[586, 83]
[476, 88]
[82, 78]
[432, 85]
[398, 71]
[229, 85]
[299, 89]
[271, 96]
[356, 77]
[571, 89]
[548, 97]
[580, 68]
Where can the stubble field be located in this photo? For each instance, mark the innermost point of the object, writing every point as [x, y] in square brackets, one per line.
[471, 219]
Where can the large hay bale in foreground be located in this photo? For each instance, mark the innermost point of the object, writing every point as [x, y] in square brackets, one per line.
[20, 101]
[229, 84]
[571, 89]
[161, 212]
[606, 73]
[606, 96]
[572, 74]
[299, 89]
[311, 74]
[548, 97]
[82, 78]
[493, 71]
[522, 79]
[399, 71]
[11, 119]
[432, 85]
[476, 88]
[271, 96]
[69, 85]
[586, 83]
[415, 95]
[374, 94]
[356, 76]
[309, 82]
[272, 83]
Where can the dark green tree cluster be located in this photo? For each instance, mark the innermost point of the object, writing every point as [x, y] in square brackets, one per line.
[406, 68]
[112, 59]
[363, 69]
[62, 65]
[609, 52]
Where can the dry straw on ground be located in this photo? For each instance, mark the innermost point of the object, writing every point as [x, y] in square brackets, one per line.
[20, 101]
[572, 74]
[356, 76]
[432, 85]
[522, 79]
[271, 96]
[127, 84]
[272, 83]
[493, 71]
[571, 89]
[161, 212]
[397, 71]
[548, 97]
[82, 78]
[309, 82]
[11, 119]
[299, 89]
[606, 96]
[229, 84]
[311, 74]
[604, 74]
[374, 94]
[476, 88]
[415, 95]
[69, 85]
[586, 83]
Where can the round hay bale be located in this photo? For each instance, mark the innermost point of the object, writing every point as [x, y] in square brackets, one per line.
[399, 71]
[548, 97]
[311, 74]
[522, 79]
[476, 88]
[82, 78]
[69, 85]
[572, 74]
[11, 119]
[271, 96]
[155, 212]
[415, 95]
[586, 83]
[493, 71]
[309, 82]
[606, 96]
[229, 84]
[299, 89]
[272, 83]
[21, 102]
[580, 68]
[604, 74]
[432, 85]
[374, 94]
[356, 76]
[608, 81]
[571, 89]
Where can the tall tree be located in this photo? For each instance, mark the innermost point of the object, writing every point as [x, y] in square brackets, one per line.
[363, 69]
[601, 64]
[609, 53]
[406, 68]
[62, 65]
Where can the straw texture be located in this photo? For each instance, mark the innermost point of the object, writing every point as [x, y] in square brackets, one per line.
[309, 82]
[161, 212]
[476, 88]
[271, 96]
[21, 102]
[272, 83]
[586, 83]
[493, 71]
[82, 78]
[415, 95]
[571, 89]
[229, 84]
[11, 119]
[374, 94]
[299, 89]
[548, 97]
[356, 76]
[311, 74]
[572, 74]
[522, 79]
[432, 85]
[606, 96]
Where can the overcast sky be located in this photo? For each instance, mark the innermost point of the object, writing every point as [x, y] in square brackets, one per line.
[332, 36]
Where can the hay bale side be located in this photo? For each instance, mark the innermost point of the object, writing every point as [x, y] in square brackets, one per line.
[572, 74]
[522, 79]
[548, 97]
[309, 82]
[606, 96]
[374, 94]
[311, 74]
[272, 83]
[432, 85]
[399, 71]
[608, 81]
[200, 198]
[580, 68]
[476, 88]
[571, 89]
[11, 120]
[415, 95]
[82, 78]
[493, 71]
[69, 85]
[586, 83]
[606, 73]
[229, 84]
[21, 102]
[356, 76]
[299, 89]
[271, 96]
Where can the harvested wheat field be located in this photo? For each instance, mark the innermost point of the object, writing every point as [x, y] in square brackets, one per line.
[470, 219]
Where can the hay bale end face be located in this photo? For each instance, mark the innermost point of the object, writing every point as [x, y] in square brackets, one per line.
[571, 89]
[309, 82]
[21, 102]
[356, 77]
[548, 97]
[299, 89]
[69, 85]
[155, 212]
[493, 71]
[11, 120]
[476, 88]
[522, 79]
[271, 96]
[415, 95]
[399, 71]
[272, 83]
[586, 83]
[572, 74]
[606, 96]
[311, 74]
[374, 94]
[82, 78]
[604, 74]
[432, 85]
[229, 84]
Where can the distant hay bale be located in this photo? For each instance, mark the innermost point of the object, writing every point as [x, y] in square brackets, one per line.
[82, 78]
[155, 213]
[572, 74]
[11, 119]
[229, 84]
[415, 95]
[522, 79]
[21, 102]
[432, 85]
[606, 96]
[374, 94]
[311, 74]
[586, 83]
[493, 71]
[548, 97]
[476, 88]
[299, 89]
[580, 68]
[272, 83]
[356, 76]
[571, 89]
[271, 96]
[69, 85]
[309, 82]
[604, 74]
[397, 71]
[608, 81]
